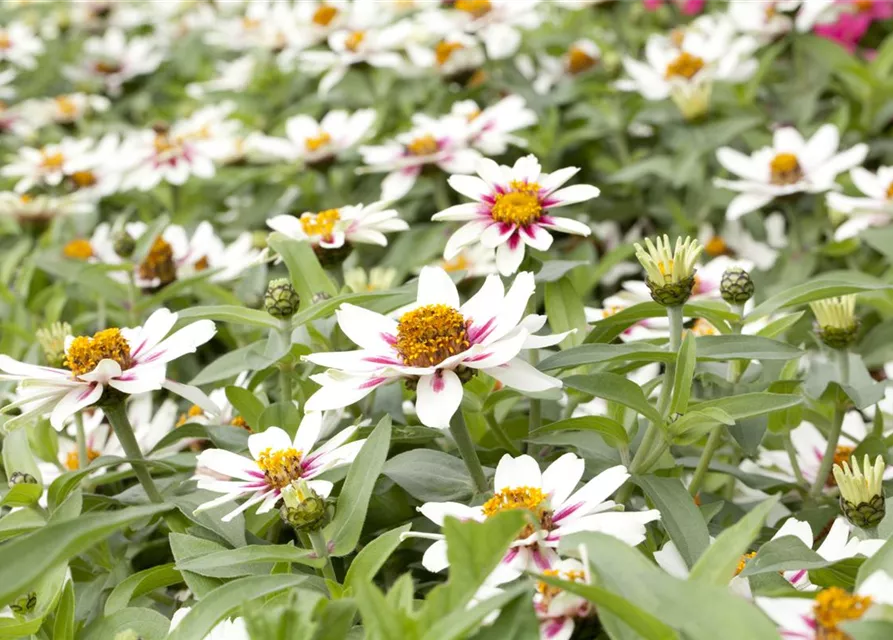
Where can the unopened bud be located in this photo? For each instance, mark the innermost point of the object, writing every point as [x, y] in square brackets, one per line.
[20, 477]
[281, 300]
[836, 322]
[52, 341]
[670, 270]
[736, 287]
[303, 508]
[862, 498]
[124, 244]
[24, 604]
[332, 257]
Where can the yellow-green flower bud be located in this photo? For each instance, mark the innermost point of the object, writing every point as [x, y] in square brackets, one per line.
[24, 604]
[281, 300]
[836, 322]
[52, 341]
[862, 498]
[303, 508]
[670, 272]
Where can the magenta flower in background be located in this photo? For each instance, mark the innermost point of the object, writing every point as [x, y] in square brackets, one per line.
[853, 24]
[688, 7]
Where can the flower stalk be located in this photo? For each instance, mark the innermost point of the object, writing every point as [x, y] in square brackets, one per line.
[466, 449]
[117, 417]
[321, 548]
[81, 440]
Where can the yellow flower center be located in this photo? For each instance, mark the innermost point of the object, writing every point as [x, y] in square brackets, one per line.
[864, 5]
[478, 79]
[66, 106]
[477, 8]
[250, 24]
[430, 334]
[84, 353]
[890, 191]
[445, 50]
[5, 42]
[716, 246]
[73, 462]
[579, 61]
[685, 66]
[548, 591]
[324, 15]
[459, 263]
[785, 169]
[742, 561]
[164, 145]
[519, 206]
[107, 67]
[354, 40]
[83, 179]
[240, 422]
[194, 412]
[771, 11]
[703, 328]
[425, 145]
[512, 498]
[317, 142]
[835, 605]
[78, 249]
[52, 161]
[322, 224]
[842, 454]
[677, 37]
[202, 263]
[159, 264]
[281, 467]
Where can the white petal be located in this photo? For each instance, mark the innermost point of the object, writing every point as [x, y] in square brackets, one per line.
[368, 329]
[103, 372]
[436, 287]
[745, 203]
[596, 491]
[522, 471]
[565, 225]
[572, 195]
[436, 512]
[459, 212]
[562, 476]
[470, 186]
[272, 438]
[75, 400]
[536, 237]
[520, 375]
[509, 256]
[308, 431]
[465, 235]
[227, 463]
[438, 397]
[435, 558]
[184, 341]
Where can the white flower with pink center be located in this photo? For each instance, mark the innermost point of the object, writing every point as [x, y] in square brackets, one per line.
[513, 209]
[433, 342]
[277, 460]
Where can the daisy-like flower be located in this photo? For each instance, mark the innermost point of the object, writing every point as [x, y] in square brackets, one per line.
[453, 54]
[276, 462]
[69, 108]
[233, 76]
[474, 261]
[42, 208]
[498, 23]
[48, 165]
[558, 509]
[262, 25]
[311, 141]
[433, 340]
[7, 90]
[819, 619]
[873, 210]
[557, 609]
[129, 361]
[581, 57]
[442, 142]
[791, 165]
[491, 130]
[513, 208]
[19, 45]
[333, 228]
[761, 20]
[734, 240]
[685, 68]
[111, 60]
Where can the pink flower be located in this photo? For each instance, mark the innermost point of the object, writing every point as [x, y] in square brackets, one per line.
[852, 25]
[688, 7]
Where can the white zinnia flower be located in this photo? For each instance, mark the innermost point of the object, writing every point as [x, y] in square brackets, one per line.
[513, 208]
[492, 129]
[581, 57]
[19, 45]
[873, 210]
[48, 165]
[276, 461]
[312, 141]
[498, 23]
[333, 228]
[791, 165]
[557, 609]
[430, 341]
[561, 511]
[130, 361]
[111, 60]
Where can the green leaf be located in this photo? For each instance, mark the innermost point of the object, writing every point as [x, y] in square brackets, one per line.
[381, 620]
[460, 622]
[353, 502]
[564, 307]
[600, 353]
[307, 276]
[146, 623]
[718, 314]
[22, 495]
[780, 325]
[27, 557]
[141, 583]
[685, 370]
[215, 606]
[611, 430]
[19, 522]
[679, 514]
[231, 314]
[430, 476]
[718, 562]
[784, 554]
[882, 560]
[213, 563]
[868, 629]
[556, 270]
[185, 547]
[373, 556]
[615, 388]
[750, 404]
[145, 241]
[695, 424]
[818, 289]
[745, 347]
[517, 620]
[64, 625]
[246, 403]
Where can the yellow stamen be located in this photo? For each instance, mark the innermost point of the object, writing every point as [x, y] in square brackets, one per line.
[677, 37]
[107, 68]
[716, 246]
[354, 40]
[685, 66]
[444, 51]
[459, 263]
[509, 499]
[250, 24]
[194, 412]
[5, 42]
[202, 263]
[579, 61]
[317, 142]
[83, 179]
[324, 15]
[548, 591]
[52, 161]
[742, 561]
[842, 454]
[78, 249]
[785, 169]
[239, 421]
[430, 334]
[425, 145]
[864, 5]
[84, 353]
[890, 191]
[521, 205]
[159, 263]
[703, 328]
[835, 605]
[73, 462]
[477, 8]
[478, 79]
[66, 106]
[281, 467]
[322, 224]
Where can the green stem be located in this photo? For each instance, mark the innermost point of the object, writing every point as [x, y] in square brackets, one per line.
[117, 417]
[792, 456]
[322, 550]
[843, 366]
[468, 452]
[500, 434]
[714, 440]
[83, 456]
[828, 458]
[285, 367]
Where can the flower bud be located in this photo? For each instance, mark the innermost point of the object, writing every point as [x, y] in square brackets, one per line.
[20, 477]
[862, 498]
[52, 341]
[736, 287]
[670, 275]
[24, 604]
[320, 296]
[332, 257]
[836, 322]
[303, 508]
[123, 244]
[281, 300]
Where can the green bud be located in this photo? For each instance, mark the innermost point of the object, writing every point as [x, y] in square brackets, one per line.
[673, 294]
[669, 269]
[24, 604]
[862, 498]
[281, 300]
[736, 287]
[52, 341]
[124, 244]
[20, 477]
[836, 322]
[303, 508]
